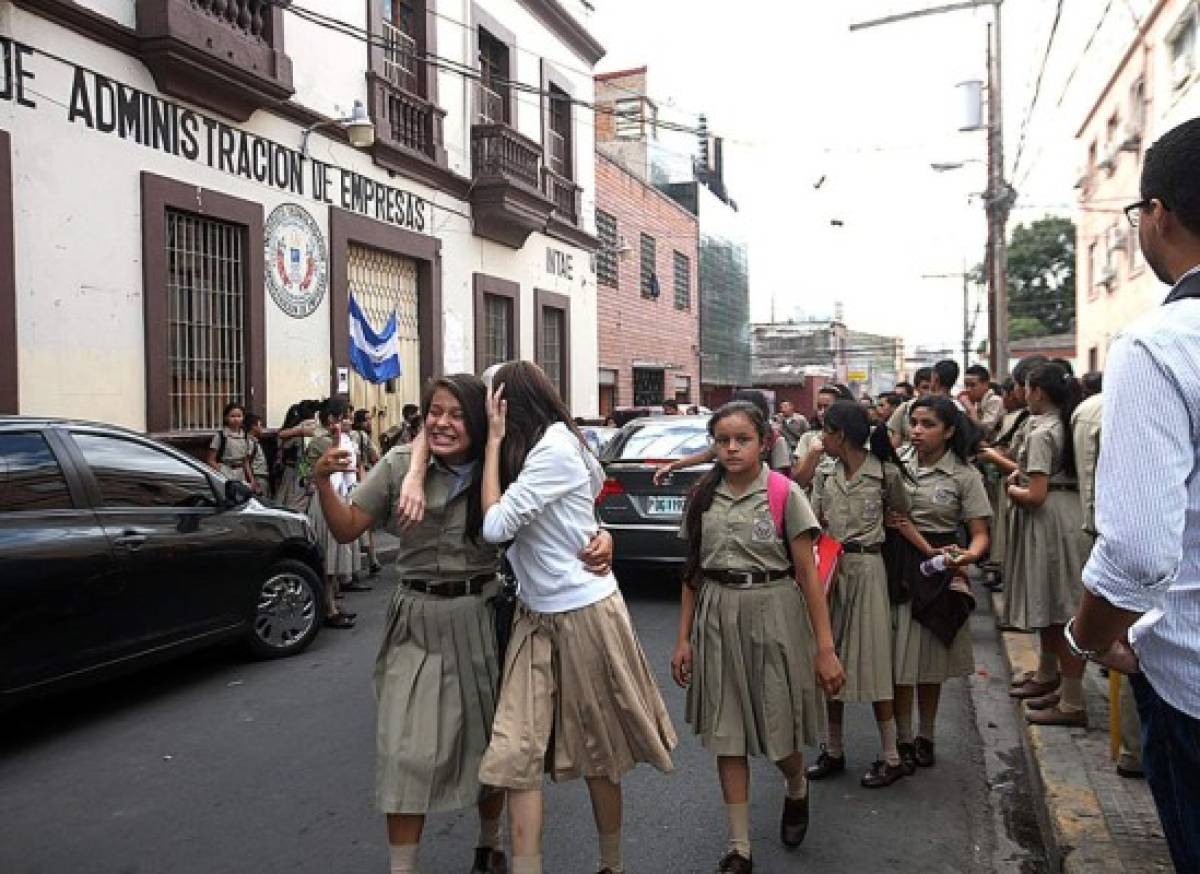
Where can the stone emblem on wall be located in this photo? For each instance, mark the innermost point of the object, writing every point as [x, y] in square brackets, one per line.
[296, 260]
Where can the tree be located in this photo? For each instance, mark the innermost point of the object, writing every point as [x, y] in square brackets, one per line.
[1041, 278]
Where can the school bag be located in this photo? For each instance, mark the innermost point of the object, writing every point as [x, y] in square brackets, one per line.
[826, 550]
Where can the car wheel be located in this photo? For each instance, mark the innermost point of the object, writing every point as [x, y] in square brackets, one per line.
[286, 610]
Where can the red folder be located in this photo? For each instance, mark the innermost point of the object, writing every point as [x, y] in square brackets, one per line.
[827, 552]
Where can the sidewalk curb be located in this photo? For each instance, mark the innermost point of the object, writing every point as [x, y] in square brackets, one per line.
[1079, 829]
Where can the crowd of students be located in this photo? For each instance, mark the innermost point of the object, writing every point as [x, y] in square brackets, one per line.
[482, 690]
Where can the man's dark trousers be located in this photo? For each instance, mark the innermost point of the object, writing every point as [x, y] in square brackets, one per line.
[1171, 760]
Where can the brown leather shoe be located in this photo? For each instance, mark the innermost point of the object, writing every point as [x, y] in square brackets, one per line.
[793, 825]
[1043, 702]
[1021, 679]
[882, 774]
[1057, 716]
[734, 862]
[489, 861]
[1034, 689]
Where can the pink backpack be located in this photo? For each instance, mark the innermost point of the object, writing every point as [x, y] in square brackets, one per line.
[778, 487]
[826, 550]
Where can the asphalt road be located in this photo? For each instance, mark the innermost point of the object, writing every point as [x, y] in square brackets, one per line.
[216, 764]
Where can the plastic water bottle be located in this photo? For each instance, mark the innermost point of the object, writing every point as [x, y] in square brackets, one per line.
[935, 565]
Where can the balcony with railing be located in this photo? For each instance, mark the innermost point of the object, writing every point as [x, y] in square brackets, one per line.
[507, 200]
[564, 194]
[406, 124]
[225, 55]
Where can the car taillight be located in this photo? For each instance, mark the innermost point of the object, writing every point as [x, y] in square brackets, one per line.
[611, 487]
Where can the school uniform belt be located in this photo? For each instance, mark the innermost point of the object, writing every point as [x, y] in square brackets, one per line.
[852, 548]
[1063, 487]
[745, 579]
[450, 588]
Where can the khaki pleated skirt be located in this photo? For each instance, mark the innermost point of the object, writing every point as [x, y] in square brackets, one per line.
[291, 493]
[754, 690]
[578, 700]
[339, 557]
[1000, 525]
[435, 682]
[861, 614]
[921, 658]
[1044, 562]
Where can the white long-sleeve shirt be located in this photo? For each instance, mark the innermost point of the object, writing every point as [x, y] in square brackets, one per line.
[1147, 555]
[549, 514]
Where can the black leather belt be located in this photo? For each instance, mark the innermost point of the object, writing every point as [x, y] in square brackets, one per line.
[861, 549]
[451, 588]
[745, 579]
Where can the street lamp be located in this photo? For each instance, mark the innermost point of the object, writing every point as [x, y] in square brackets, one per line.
[358, 126]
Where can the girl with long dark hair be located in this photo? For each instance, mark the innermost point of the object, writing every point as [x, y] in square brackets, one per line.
[866, 484]
[1047, 548]
[578, 698]
[299, 423]
[339, 558]
[932, 638]
[437, 672]
[754, 636]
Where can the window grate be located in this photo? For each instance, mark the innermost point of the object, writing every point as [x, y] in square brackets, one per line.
[683, 281]
[649, 281]
[206, 291]
[606, 258]
[497, 330]
[553, 329]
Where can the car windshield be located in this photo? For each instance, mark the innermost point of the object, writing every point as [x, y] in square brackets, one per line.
[658, 439]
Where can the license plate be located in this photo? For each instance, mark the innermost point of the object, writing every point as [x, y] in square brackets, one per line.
[664, 505]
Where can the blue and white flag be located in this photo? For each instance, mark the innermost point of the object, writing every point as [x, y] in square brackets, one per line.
[376, 357]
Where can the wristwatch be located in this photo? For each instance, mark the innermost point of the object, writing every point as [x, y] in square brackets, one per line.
[1088, 655]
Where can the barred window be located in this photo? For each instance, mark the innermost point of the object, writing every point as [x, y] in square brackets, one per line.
[683, 281]
[206, 293]
[550, 352]
[497, 330]
[649, 279]
[606, 258]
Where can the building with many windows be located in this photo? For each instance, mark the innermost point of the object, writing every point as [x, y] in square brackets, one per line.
[192, 192]
[1150, 89]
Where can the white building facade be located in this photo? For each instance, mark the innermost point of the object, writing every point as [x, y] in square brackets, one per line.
[1151, 89]
[183, 221]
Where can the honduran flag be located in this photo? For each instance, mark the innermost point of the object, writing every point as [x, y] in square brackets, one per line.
[376, 357]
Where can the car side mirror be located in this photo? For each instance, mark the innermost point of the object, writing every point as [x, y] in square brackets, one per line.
[237, 493]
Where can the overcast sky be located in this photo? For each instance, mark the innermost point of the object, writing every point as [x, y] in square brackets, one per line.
[799, 97]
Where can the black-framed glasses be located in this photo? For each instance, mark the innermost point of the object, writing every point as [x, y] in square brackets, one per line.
[1133, 212]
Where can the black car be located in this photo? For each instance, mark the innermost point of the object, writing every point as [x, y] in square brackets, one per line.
[116, 550]
[644, 518]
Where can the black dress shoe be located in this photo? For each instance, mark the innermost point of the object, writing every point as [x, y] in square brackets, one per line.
[882, 774]
[489, 861]
[339, 620]
[825, 766]
[793, 825]
[375, 569]
[924, 748]
[734, 862]
[908, 758]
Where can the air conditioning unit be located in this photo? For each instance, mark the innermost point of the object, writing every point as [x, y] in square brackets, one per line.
[1181, 69]
[1131, 137]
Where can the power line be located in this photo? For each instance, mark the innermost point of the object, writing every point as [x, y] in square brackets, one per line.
[1037, 88]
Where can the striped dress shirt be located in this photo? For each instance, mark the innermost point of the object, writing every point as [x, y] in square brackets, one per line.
[1147, 553]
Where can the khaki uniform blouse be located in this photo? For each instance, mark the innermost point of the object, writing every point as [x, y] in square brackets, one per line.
[853, 510]
[946, 495]
[438, 548]
[804, 445]
[990, 413]
[899, 422]
[1042, 449]
[739, 533]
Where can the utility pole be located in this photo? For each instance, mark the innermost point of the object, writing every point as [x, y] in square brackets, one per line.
[968, 328]
[999, 197]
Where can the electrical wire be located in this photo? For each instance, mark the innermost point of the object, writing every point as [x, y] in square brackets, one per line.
[1037, 87]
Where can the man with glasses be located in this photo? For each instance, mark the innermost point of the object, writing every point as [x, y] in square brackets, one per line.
[1141, 611]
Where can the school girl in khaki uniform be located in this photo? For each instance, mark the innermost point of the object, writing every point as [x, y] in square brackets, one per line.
[1048, 546]
[229, 449]
[852, 502]
[754, 635]
[948, 492]
[436, 672]
[339, 558]
[809, 460]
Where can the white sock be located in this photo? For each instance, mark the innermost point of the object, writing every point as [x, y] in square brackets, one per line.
[403, 858]
[610, 853]
[739, 828]
[796, 787]
[887, 737]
